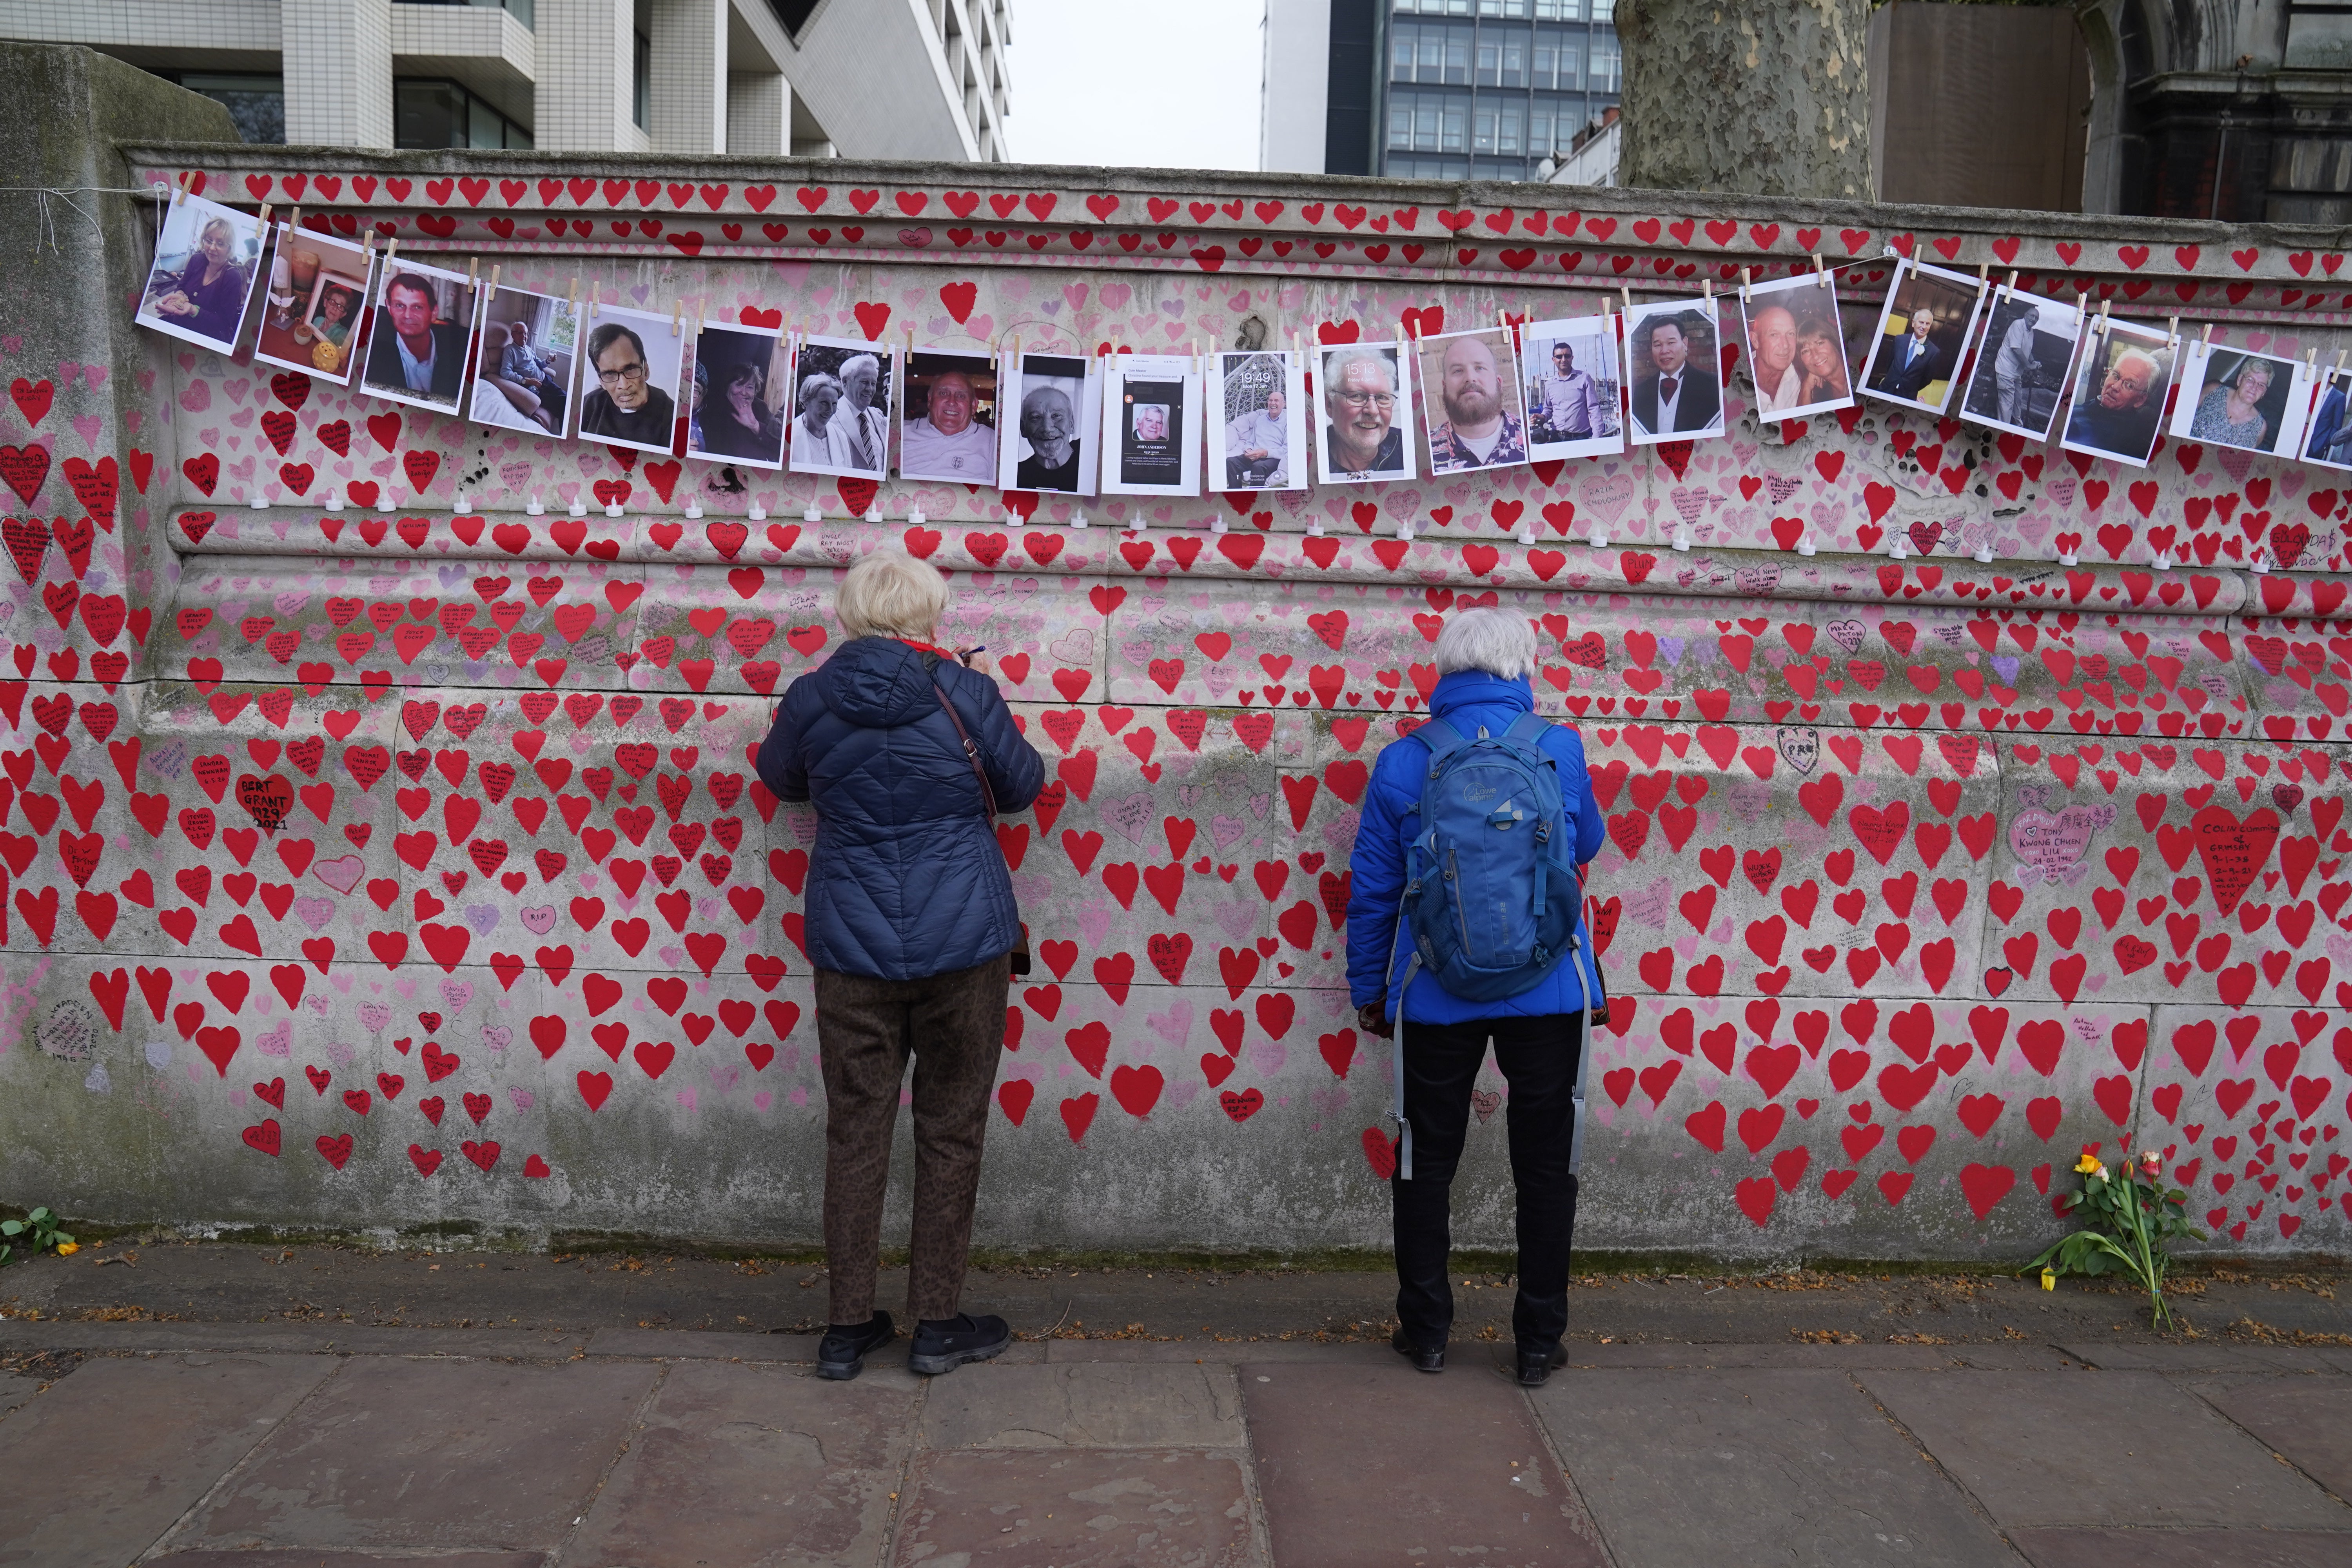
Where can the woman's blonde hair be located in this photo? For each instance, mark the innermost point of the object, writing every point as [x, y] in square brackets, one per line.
[890, 593]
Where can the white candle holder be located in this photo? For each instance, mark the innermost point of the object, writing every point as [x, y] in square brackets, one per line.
[1314, 527]
[579, 508]
[759, 512]
[614, 509]
[1217, 525]
[1896, 550]
[813, 513]
[1982, 555]
[2261, 564]
[464, 502]
[1528, 535]
[334, 501]
[533, 507]
[2066, 558]
[694, 508]
[1600, 540]
[915, 518]
[1682, 540]
[1404, 528]
[1079, 520]
[1805, 545]
[2163, 561]
[258, 501]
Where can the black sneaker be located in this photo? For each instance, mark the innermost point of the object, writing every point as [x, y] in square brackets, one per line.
[1535, 1366]
[1424, 1358]
[943, 1345]
[841, 1355]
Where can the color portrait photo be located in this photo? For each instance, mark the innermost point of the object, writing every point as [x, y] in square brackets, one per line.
[948, 418]
[313, 305]
[1151, 426]
[1672, 355]
[2329, 440]
[2119, 391]
[418, 340]
[1573, 389]
[628, 385]
[1470, 395]
[2233, 397]
[1257, 421]
[1923, 335]
[201, 280]
[524, 363]
[1367, 424]
[1796, 351]
[736, 411]
[2020, 372]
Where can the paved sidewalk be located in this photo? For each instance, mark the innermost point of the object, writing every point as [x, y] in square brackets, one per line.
[284, 1443]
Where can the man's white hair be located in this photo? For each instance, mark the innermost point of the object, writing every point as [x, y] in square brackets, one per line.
[1488, 638]
[889, 594]
[861, 362]
[1338, 364]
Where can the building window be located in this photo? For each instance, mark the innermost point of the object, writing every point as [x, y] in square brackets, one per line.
[1604, 75]
[428, 111]
[1559, 10]
[641, 83]
[1604, 10]
[256, 104]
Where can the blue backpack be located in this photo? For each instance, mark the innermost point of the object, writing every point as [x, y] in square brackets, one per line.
[1492, 899]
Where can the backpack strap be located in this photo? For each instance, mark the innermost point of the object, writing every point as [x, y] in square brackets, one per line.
[1529, 728]
[1442, 741]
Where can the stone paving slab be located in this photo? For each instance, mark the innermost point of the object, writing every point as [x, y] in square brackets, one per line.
[288, 1339]
[2098, 1449]
[440, 1453]
[756, 1466]
[2184, 1548]
[2205, 1355]
[1808, 1356]
[1741, 1465]
[1218, 1352]
[1095, 1507]
[1362, 1465]
[105, 1461]
[1106, 1405]
[343, 1560]
[684, 1343]
[2308, 1419]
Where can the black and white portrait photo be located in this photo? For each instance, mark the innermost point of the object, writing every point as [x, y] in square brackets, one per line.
[1367, 414]
[1257, 421]
[2124, 376]
[1573, 391]
[206, 259]
[1796, 350]
[2233, 397]
[841, 415]
[1470, 395]
[1058, 411]
[423, 330]
[1672, 360]
[524, 363]
[2020, 372]
[628, 383]
[736, 410]
[947, 419]
[1923, 335]
[1151, 426]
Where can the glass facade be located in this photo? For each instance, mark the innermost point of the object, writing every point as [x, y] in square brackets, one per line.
[427, 111]
[1488, 89]
[256, 104]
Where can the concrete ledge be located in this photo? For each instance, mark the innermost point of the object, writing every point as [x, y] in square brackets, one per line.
[291, 1339]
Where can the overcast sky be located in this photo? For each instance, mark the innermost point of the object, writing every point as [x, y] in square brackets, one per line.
[1136, 82]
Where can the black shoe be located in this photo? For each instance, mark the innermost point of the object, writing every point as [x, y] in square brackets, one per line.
[943, 1345]
[1424, 1358]
[841, 1355]
[1535, 1366]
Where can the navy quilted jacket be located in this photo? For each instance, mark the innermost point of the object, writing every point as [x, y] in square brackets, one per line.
[906, 879]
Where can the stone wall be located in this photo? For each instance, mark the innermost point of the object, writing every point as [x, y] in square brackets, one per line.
[1923, 875]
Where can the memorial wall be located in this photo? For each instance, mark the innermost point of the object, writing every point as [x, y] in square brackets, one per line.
[382, 854]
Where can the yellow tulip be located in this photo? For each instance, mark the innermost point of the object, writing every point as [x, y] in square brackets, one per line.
[68, 1248]
[2050, 1278]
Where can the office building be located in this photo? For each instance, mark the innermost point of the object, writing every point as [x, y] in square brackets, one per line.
[1442, 89]
[869, 79]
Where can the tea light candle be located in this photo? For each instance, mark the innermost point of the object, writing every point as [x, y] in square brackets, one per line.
[1600, 540]
[533, 508]
[578, 506]
[463, 503]
[759, 512]
[1983, 556]
[1805, 545]
[334, 500]
[813, 513]
[694, 507]
[915, 518]
[259, 501]
[614, 509]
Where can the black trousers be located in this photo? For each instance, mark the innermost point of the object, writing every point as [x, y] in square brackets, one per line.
[1540, 1059]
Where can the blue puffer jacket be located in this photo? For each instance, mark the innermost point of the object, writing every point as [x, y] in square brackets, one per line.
[1392, 819]
[906, 879]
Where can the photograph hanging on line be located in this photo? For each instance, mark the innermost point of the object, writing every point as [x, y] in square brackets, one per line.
[1470, 397]
[2020, 372]
[420, 336]
[736, 411]
[201, 280]
[2123, 375]
[1367, 419]
[523, 365]
[2234, 397]
[1923, 335]
[2329, 442]
[313, 305]
[1573, 388]
[1674, 351]
[1151, 425]
[628, 378]
[1257, 421]
[842, 400]
[1796, 350]
[1057, 400]
[947, 419]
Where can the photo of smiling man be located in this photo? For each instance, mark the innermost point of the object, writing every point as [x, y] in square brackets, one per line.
[1471, 393]
[1365, 388]
[949, 430]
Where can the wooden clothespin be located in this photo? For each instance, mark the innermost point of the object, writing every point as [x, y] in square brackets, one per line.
[676, 315]
[2311, 358]
[1820, 268]
[391, 247]
[263, 218]
[493, 294]
[1626, 296]
[1747, 277]
[294, 224]
[2204, 339]
[2012, 284]
[2102, 315]
[2172, 330]
[1707, 289]
[910, 342]
[473, 272]
[180, 189]
[1984, 278]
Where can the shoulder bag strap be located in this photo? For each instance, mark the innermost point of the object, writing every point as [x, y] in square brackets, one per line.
[971, 746]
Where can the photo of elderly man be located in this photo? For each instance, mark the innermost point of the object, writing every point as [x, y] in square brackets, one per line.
[1677, 394]
[631, 380]
[1923, 335]
[1795, 356]
[949, 427]
[853, 436]
[1257, 426]
[1473, 379]
[2119, 395]
[1056, 399]
[1363, 388]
